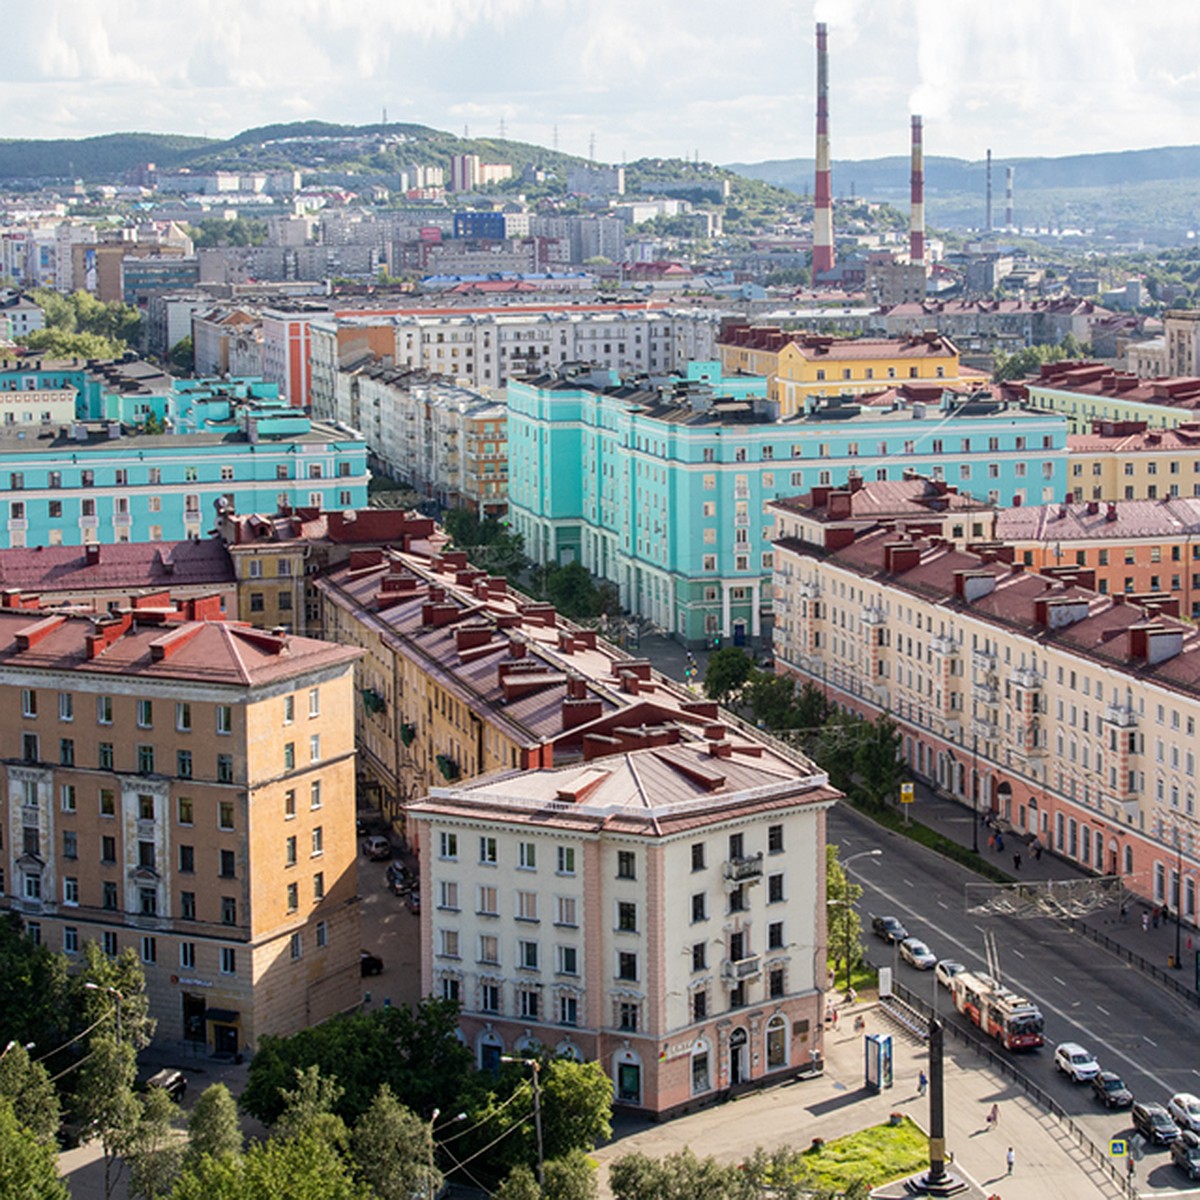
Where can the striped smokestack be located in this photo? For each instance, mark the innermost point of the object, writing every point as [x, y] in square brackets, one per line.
[1008, 191]
[988, 224]
[916, 221]
[823, 195]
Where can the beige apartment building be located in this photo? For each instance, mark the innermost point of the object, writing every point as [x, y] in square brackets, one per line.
[657, 907]
[1070, 714]
[1127, 460]
[184, 787]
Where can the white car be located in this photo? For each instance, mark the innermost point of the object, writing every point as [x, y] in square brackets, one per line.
[1185, 1109]
[946, 970]
[917, 954]
[1074, 1061]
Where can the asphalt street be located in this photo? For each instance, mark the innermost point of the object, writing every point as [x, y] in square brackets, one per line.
[1133, 1026]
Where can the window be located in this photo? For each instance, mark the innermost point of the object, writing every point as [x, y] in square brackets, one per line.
[775, 935]
[322, 935]
[737, 899]
[66, 752]
[566, 860]
[145, 760]
[626, 864]
[108, 849]
[289, 804]
[109, 943]
[565, 912]
[149, 949]
[627, 916]
[183, 764]
[697, 856]
[108, 895]
[228, 960]
[145, 714]
[627, 965]
[529, 1005]
[527, 856]
[314, 794]
[775, 983]
[289, 709]
[774, 839]
[314, 748]
[225, 815]
[224, 719]
[108, 802]
[488, 902]
[448, 895]
[187, 905]
[70, 844]
[148, 901]
[699, 907]
[186, 810]
[318, 841]
[489, 949]
[70, 890]
[774, 889]
[527, 906]
[66, 706]
[228, 910]
[568, 1010]
[448, 943]
[314, 694]
[228, 870]
[183, 717]
[187, 859]
[627, 1015]
[527, 955]
[28, 702]
[568, 960]
[70, 940]
[29, 748]
[289, 756]
[448, 845]
[487, 851]
[318, 885]
[187, 956]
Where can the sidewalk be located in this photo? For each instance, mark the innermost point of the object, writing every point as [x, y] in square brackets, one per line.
[1048, 1165]
[1155, 944]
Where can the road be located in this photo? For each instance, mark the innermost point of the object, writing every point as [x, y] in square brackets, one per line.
[1134, 1027]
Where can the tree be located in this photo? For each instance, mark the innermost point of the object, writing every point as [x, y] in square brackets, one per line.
[26, 1085]
[519, 1184]
[677, 1177]
[304, 1168]
[55, 344]
[108, 987]
[844, 928]
[308, 1109]
[576, 1106]
[182, 356]
[574, 591]
[154, 1151]
[104, 1103]
[393, 1150]
[772, 700]
[33, 989]
[213, 1124]
[877, 763]
[571, 1177]
[728, 670]
[28, 1166]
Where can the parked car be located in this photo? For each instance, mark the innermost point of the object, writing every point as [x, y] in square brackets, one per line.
[917, 954]
[1154, 1123]
[1111, 1091]
[1184, 1108]
[370, 964]
[946, 971]
[888, 928]
[377, 848]
[170, 1080]
[1185, 1154]
[1075, 1062]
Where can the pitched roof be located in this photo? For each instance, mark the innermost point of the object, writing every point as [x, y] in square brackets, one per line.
[122, 565]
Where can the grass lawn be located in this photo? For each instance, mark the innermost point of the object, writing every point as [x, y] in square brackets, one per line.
[876, 1155]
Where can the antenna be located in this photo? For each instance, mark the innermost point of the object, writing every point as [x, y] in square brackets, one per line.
[466, 130]
[384, 122]
[592, 147]
[555, 141]
[502, 133]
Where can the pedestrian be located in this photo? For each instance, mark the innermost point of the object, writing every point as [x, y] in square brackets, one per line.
[1010, 1158]
[835, 1015]
[1037, 852]
[991, 841]
[1130, 1168]
[1154, 916]
[1017, 861]
[993, 1117]
[999, 843]
[922, 1084]
[1145, 922]
[1124, 912]
[851, 995]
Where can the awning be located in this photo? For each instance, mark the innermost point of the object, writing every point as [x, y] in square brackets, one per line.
[224, 1016]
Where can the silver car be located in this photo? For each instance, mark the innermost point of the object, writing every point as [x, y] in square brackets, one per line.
[917, 954]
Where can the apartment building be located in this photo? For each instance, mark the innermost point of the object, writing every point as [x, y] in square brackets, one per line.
[1127, 460]
[227, 341]
[443, 440]
[658, 908]
[661, 485]
[1068, 713]
[184, 787]
[1087, 392]
[800, 368]
[1181, 339]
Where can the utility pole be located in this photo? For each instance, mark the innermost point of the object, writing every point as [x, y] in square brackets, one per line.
[537, 1109]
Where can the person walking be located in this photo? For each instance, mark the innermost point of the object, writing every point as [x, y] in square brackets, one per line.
[1145, 922]
[922, 1083]
[1017, 861]
[1010, 1158]
[993, 1117]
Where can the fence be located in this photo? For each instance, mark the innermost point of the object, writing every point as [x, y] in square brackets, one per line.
[978, 1043]
[1168, 979]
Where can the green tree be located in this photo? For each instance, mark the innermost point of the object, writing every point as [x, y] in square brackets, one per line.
[309, 1109]
[571, 1177]
[115, 988]
[519, 1184]
[154, 1150]
[54, 343]
[213, 1127]
[104, 1103]
[772, 700]
[574, 591]
[393, 1150]
[677, 1177]
[576, 1106]
[877, 764]
[28, 1166]
[182, 356]
[729, 669]
[844, 928]
[33, 990]
[299, 1169]
[26, 1085]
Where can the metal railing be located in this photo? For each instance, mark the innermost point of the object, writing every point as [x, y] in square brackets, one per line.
[1168, 979]
[919, 1012]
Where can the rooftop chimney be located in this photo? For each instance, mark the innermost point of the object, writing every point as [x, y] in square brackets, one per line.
[916, 222]
[822, 257]
[1008, 197]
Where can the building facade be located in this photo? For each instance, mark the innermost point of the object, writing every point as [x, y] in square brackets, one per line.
[215, 835]
[1126, 460]
[660, 911]
[1089, 392]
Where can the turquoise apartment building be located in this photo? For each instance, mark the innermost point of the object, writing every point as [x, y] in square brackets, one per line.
[230, 445]
[661, 486]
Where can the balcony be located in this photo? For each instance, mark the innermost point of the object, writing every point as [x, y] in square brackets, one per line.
[872, 616]
[986, 692]
[984, 660]
[1023, 677]
[943, 645]
[739, 970]
[1121, 715]
[747, 869]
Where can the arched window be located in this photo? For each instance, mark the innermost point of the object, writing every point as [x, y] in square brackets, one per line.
[1128, 860]
[701, 1067]
[777, 1043]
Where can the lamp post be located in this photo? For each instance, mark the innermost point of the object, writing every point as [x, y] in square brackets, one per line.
[974, 792]
[112, 991]
[12, 1046]
[847, 904]
[537, 1109]
[1178, 899]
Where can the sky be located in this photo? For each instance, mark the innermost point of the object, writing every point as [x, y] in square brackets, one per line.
[733, 82]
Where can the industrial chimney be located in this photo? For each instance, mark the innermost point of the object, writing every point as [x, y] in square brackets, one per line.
[823, 195]
[1008, 193]
[916, 224]
[988, 221]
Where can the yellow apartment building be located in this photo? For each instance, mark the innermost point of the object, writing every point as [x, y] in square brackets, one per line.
[1127, 460]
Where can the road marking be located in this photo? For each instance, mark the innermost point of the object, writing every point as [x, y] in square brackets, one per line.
[1016, 952]
[1044, 1004]
[943, 904]
[1150, 1040]
[910, 883]
[1060, 982]
[1104, 1010]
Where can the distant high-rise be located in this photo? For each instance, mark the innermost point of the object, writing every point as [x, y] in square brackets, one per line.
[916, 223]
[1008, 197]
[822, 258]
[988, 216]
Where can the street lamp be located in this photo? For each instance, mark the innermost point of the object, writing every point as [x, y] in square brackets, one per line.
[847, 904]
[537, 1109]
[112, 991]
[974, 793]
[13, 1045]
[1178, 898]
